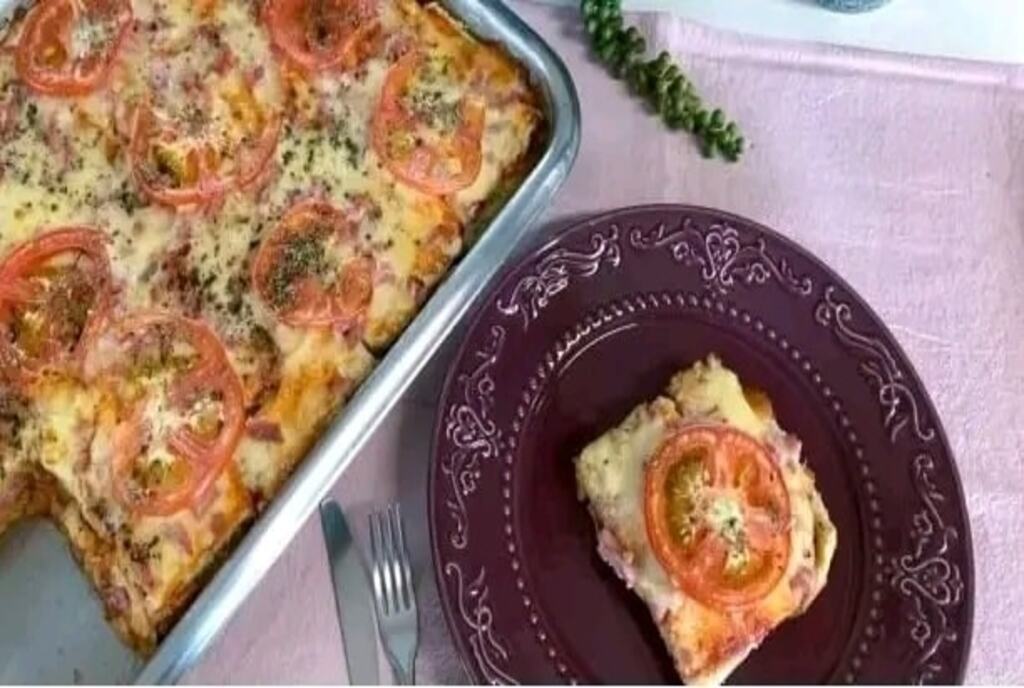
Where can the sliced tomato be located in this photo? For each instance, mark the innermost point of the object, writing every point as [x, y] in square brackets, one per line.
[55, 290]
[197, 163]
[302, 274]
[423, 136]
[183, 409]
[67, 47]
[317, 35]
[717, 514]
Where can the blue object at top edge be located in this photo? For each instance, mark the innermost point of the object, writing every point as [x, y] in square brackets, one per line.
[852, 5]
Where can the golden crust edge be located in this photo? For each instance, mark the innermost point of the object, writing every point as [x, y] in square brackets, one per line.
[666, 407]
[89, 552]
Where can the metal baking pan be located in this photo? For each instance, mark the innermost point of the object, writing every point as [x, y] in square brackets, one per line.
[52, 630]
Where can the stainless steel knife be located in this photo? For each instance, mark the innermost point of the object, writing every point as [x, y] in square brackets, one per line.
[351, 596]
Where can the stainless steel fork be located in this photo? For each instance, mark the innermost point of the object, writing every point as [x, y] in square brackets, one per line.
[393, 594]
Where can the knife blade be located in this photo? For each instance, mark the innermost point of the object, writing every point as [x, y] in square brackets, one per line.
[351, 596]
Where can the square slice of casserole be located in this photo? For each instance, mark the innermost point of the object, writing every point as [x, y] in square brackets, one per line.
[704, 509]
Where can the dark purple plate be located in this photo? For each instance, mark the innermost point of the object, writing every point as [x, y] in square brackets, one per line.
[595, 322]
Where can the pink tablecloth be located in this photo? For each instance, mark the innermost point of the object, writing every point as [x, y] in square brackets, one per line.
[906, 175]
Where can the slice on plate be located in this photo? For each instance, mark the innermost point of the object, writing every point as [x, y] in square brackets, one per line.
[705, 510]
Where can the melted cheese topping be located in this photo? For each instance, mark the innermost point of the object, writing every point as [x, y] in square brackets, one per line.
[316, 372]
[209, 69]
[706, 643]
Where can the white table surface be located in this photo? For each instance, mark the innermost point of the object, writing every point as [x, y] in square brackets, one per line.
[969, 29]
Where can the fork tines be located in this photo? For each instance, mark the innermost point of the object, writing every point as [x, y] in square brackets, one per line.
[394, 597]
[392, 574]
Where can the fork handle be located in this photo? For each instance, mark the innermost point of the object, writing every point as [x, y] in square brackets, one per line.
[403, 676]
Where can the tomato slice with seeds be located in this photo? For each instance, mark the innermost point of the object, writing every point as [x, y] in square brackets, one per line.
[54, 291]
[318, 35]
[307, 272]
[427, 136]
[67, 47]
[183, 409]
[717, 515]
[198, 158]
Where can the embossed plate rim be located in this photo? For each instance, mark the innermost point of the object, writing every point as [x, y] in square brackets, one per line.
[622, 218]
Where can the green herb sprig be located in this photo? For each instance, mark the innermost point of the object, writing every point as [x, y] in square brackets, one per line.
[659, 81]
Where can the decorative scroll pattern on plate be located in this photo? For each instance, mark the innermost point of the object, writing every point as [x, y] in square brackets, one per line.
[879, 365]
[475, 436]
[489, 650]
[721, 255]
[928, 577]
[554, 272]
[923, 573]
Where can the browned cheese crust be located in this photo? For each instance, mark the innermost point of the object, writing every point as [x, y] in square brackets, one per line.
[70, 160]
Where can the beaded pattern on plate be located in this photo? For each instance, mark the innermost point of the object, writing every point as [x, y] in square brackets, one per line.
[476, 439]
[880, 368]
[723, 257]
[926, 577]
[474, 435]
[618, 313]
